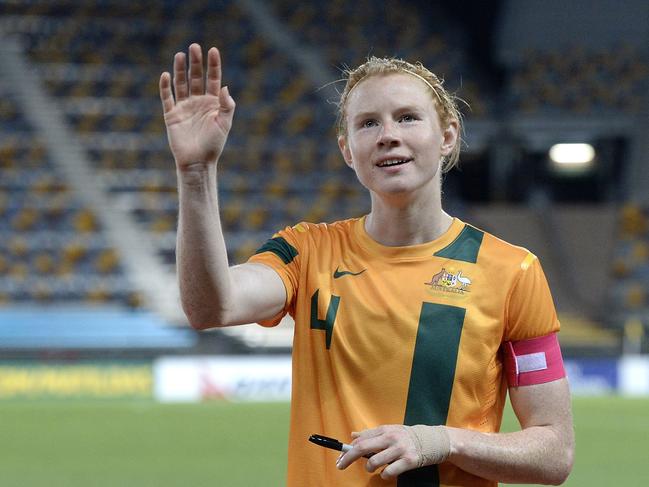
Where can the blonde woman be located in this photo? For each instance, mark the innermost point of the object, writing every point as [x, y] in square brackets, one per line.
[410, 325]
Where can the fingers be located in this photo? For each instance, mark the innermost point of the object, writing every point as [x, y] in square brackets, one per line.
[390, 445]
[166, 97]
[384, 457]
[180, 77]
[362, 447]
[213, 72]
[368, 433]
[196, 70]
[187, 82]
[395, 469]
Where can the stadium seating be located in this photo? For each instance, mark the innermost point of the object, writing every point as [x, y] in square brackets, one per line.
[52, 247]
[444, 51]
[580, 81]
[107, 90]
[630, 265]
[101, 61]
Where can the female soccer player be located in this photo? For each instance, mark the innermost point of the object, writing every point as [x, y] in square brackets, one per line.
[410, 325]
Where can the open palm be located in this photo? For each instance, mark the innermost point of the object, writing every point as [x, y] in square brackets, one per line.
[199, 119]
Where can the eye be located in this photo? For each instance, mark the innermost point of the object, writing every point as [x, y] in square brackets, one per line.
[408, 117]
[368, 123]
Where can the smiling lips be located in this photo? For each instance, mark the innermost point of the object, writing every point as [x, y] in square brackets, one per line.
[393, 162]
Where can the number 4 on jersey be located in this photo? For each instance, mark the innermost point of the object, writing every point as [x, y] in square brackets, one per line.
[328, 323]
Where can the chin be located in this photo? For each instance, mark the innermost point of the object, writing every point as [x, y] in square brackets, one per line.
[395, 193]
[402, 189]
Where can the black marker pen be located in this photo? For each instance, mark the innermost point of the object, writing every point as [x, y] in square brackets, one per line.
[332, 443]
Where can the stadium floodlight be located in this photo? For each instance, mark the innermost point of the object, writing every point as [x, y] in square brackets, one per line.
[572, 158]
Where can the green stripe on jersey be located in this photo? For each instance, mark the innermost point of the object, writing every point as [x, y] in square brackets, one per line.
[465, 247]
[431, 378]
[281, 248]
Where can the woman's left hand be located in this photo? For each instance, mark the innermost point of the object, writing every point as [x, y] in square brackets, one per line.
[399, 447]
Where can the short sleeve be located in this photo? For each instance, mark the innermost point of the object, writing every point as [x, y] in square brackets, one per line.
[282, 254]
[530, 311]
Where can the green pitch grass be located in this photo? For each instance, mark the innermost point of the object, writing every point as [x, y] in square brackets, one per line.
[219, 444]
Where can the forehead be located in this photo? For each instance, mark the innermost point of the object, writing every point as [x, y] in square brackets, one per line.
[388, 91]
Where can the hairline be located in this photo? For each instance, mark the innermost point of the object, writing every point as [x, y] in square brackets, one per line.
[444, 102]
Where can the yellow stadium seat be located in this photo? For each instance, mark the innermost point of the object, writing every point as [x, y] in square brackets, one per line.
[44, 263]
[636, 296]
[98, 294]
[73, 252]
[163, 223]
[135, 300]
[19, 271]
[245, 250]
[25, 219]
[107, 261]
[85, 221]
[256, 218]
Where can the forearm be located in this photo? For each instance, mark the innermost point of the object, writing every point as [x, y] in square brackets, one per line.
[538, 454]
[201, 255]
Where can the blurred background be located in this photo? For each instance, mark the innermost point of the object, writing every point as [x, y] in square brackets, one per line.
[557, 137]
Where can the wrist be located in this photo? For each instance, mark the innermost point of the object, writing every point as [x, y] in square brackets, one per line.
[194, 166]
[433, 443]
[196, 173]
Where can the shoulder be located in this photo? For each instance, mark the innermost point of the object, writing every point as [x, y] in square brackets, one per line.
[305, 237]
[318, 231]
[500, 261]
[495, 249]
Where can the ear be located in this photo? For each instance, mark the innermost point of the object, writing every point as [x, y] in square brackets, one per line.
[450, 136]
[344, 150]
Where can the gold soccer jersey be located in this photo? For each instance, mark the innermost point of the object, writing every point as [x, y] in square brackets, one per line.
[399, 335]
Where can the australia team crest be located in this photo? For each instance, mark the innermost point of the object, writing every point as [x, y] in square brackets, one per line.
[449, 281]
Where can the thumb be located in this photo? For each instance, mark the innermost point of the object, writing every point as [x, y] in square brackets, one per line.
[226, 101]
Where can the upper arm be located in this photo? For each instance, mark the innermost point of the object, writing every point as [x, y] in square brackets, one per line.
[546, 405]
[258, 293]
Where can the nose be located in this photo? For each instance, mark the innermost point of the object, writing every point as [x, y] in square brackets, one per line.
[389, 135]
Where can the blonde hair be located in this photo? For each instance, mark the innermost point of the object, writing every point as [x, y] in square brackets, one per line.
[445, 102]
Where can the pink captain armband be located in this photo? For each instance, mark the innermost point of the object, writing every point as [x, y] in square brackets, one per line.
[533, 361]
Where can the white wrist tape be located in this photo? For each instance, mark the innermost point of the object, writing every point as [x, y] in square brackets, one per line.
[433, 443]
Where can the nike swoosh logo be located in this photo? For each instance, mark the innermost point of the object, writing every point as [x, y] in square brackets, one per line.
[339, 273]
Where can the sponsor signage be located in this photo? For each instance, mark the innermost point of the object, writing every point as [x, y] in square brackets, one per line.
[592, 376]
[237, 378]
[67, 381]
[634, 375]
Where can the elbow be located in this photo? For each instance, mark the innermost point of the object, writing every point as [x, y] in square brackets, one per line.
[203, 310]
[563, 466]
[200, 324]
[201, 319]
[559, 478]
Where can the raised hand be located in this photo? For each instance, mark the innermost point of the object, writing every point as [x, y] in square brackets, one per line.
[199, 119]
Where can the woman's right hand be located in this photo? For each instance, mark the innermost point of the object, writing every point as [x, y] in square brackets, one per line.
[199, 119]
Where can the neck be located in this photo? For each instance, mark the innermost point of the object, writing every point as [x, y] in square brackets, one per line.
[406, 224]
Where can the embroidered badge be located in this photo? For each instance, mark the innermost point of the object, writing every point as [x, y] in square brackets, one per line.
[450, 282]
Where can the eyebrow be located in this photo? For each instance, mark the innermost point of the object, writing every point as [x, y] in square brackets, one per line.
[402, 109]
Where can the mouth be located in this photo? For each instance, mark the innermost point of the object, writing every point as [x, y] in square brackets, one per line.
[394, 162]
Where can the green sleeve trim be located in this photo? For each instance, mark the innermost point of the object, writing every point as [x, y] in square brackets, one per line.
[281, 248]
